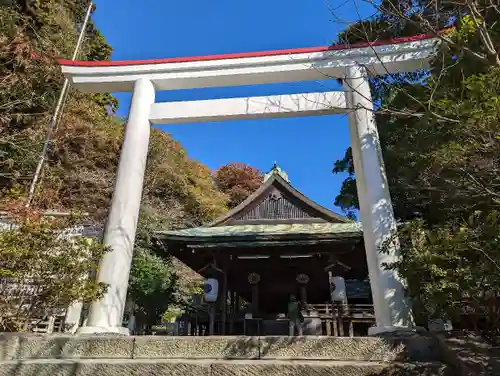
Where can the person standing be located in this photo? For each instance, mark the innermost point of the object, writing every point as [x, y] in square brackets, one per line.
[294, 315]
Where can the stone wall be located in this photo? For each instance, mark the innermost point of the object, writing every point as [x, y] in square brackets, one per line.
[56, 355]
[25, 347]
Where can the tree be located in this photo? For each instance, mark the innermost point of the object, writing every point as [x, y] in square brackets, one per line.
[453, 269]
[347, 199]
[439, 133]
[152, 287]
[238, 181]
[435, 158]
[178, 191]
[33, 35]
[83, 155]
[44, 269]
[160, 285]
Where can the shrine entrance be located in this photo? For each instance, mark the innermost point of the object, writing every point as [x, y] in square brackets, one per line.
[275, 244]
[352, 64]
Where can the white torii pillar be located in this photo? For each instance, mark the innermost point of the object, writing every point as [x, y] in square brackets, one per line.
[106, 315]
[392, 311]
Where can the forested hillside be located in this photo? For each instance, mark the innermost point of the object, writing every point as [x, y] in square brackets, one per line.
[84, 153]
[83, 156]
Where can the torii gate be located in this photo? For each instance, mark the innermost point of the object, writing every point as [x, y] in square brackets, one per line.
[353, 64]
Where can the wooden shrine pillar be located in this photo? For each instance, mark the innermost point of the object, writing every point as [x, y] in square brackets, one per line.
[232, 309]
[216, 304]
[238, 302]
[224, 302]
[303, 280]
[211, 325]
[185, 329]
[254, 279]
[303, 295]
[255, 299]
[331, 309]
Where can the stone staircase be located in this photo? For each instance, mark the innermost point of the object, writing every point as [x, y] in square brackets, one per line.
[219, 356]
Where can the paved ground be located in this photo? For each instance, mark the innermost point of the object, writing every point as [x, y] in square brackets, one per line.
[479, 357]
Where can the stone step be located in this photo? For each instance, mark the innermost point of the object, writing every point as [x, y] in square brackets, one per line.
[418, 348]
[170, 367]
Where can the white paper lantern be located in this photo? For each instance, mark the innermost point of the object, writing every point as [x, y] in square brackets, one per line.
[338, 290]
[211, 290]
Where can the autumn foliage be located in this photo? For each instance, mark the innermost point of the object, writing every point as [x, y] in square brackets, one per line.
[238, 181]
[82, 159]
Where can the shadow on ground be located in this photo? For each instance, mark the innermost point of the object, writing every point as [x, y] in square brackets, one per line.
[476, 355]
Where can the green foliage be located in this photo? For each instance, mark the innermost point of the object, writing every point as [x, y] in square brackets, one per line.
[33, 35]
[172, 313]
[347, 199]
[453, 269]
[439, 136]
[152, 286]
[159, 287]
[440, 159]
[238, 181]
[107, 101]
[43, 270]
[154, 283]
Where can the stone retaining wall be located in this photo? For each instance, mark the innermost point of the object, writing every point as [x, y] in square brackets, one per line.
[144, 367]
[17, 347]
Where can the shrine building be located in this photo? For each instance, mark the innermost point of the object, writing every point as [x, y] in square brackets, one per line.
[275, 244]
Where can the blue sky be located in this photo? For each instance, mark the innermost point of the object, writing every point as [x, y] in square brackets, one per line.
[305, 147]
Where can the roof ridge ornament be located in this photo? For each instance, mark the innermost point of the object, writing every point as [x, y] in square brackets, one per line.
[278, 171]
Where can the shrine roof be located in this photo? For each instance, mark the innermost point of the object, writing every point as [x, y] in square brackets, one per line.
[264, 232]
[275, 214]
[277, 201]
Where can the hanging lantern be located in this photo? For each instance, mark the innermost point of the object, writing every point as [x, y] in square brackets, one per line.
[211, 290]
[338, 289]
